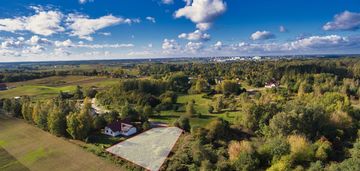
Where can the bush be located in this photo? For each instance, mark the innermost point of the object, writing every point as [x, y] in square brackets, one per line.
[245, 162]
[183, 123]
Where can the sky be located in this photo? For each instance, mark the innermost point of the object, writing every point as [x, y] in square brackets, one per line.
[53, 30]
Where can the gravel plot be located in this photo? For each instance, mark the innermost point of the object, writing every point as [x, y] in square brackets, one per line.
[148, 149]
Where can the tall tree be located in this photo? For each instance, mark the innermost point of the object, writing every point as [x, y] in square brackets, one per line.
[57, 122]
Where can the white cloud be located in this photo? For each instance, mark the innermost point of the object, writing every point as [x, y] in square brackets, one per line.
[83, 26]
[105, 33]
[33, 49]
[150, 45]
[140, 53]
[167, 1]
[100, 46]
[319, 42]
[43, 23]
[66, 43]
[202, 12]
[193, 47]
[170, 46]
[85, 1]
[282, 29]
[218, 45]
[344, 21]
[262, 35]
[151, 19]
[197, 35]
[12, 43]
[61, 52]
[36, 40]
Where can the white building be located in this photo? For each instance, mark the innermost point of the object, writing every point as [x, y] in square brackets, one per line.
[120, 128]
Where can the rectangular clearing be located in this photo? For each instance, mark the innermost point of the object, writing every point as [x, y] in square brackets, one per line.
[148, 149]
[25, 147]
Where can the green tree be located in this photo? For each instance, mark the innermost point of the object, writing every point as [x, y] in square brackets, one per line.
[40, 114]
[217, 129]
[210, 109]
[201, 86]
[57, 122]
[190, 109]
[7, 105]
[219, 104]
[26, 110]
[98, 122]
[79, 124]
[91, 92]
[183, 123]
[78, 94]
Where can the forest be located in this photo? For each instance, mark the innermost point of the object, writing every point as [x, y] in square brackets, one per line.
[309, 120]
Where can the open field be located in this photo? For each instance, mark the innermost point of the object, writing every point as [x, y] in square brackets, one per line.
[51, 86]
[201, 106]
[32, 148]
[9, 163]
[148, 149]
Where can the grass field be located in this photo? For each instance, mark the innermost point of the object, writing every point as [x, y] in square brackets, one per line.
[51, 86]
[22, 147]
[9, 162]
[201, 106]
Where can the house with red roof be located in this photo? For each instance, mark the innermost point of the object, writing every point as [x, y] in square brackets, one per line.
[3, 86]
[118, 128]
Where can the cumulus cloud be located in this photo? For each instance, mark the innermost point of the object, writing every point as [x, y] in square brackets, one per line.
[33, 49]
[170, 46]
[66, 43]
[43, 23]
[197, 35]
[151, 19]
[82, 26]
[100, 46]
[202, 12]
[344, 21]
[313, 44]
[262, 35]
[36, 40]
[218, 45]
[193, 46]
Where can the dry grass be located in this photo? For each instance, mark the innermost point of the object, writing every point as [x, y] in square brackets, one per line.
[235, 148]
[39, 150]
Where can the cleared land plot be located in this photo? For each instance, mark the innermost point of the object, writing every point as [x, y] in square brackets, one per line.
[148, 149]
[29, 147]
[8, 162]
[51, 86]
[201, 106]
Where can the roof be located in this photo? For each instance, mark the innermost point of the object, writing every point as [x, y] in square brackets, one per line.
[122, 126]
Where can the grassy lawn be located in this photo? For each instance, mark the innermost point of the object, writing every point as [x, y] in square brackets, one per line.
[35, 90]
[201, 106]
[51, 86]
[29, 147]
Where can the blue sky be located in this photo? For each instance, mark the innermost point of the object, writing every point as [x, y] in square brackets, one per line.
[113, 29]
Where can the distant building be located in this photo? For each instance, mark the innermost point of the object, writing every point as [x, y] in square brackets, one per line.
[256, 58]
[3, 87]
[272, 84]
[120, 128]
